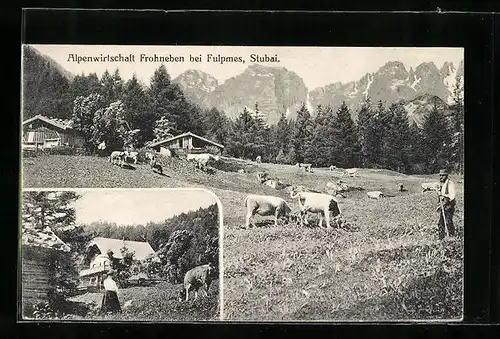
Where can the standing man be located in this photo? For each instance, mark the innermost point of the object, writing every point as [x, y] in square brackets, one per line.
[446, 206]
[110, 302]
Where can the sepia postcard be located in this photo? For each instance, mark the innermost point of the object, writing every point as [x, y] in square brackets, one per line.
[339, 172]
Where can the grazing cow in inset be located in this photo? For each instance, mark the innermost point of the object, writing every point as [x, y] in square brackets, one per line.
[196, 278]
[258, 159]
[266, 205]
[117, 158]
[155, 165]
[129, 155]
[317, 203]
[430, 186]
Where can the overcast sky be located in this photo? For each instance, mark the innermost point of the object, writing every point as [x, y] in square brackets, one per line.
[128, 207]
[317, 66]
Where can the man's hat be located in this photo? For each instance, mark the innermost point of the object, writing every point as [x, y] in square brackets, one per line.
[443, 172]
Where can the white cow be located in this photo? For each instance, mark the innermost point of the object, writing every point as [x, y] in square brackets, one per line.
[258, 159]
[196, 278]
[317, 203]
[202, 160]
[155, 165]
[430, 186]
[352, 172]
[273, 183]
[117, 158]
[266, 205]
[375, 194]
[333, 168]
[130, 155]
[306, 167]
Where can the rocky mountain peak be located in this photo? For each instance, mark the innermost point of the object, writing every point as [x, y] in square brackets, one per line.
[393, 69]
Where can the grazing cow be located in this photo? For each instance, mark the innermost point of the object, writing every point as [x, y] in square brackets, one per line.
[129, 155]
[317, 203]
[242, 171]
[262, 176]
[351, 172]
[200, 276]
[266, 205]
[203, 160]
[258, 159]
[430, 186]
[155, 165]
[375, 194]
[338, 187]
[333, 168]
[149, 156]
[117, 158]
[306, 167]
[276, 184]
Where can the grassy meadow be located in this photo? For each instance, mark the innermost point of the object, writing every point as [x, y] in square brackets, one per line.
[387, 266]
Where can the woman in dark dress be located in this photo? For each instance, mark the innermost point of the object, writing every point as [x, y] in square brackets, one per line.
[110, 302]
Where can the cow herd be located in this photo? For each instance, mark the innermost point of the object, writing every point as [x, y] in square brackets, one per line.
[121, 158]
[308, 202]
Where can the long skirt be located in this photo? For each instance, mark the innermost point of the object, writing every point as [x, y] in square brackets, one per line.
[110, 302]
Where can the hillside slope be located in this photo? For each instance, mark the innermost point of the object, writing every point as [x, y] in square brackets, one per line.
[387, 266]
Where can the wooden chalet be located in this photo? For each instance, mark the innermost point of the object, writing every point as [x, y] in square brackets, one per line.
[37, 245]
[187, 143]
[44, 132]
[98, 262]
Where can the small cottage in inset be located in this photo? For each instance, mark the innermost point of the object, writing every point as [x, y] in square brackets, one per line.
[97, 260]
[37, 246]
[44, 132]
[187, 143]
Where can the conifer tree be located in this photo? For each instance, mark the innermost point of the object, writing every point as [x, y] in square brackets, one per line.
[317, 150]
[457, 146]
[345, 136]
[137, 112]
[301, 133]
[365, 132]
[216, 125]
[436, 140]
[111, 86]
[167, 99]
[241, 140]
[395, 146]
[282, 137]
[416, 152]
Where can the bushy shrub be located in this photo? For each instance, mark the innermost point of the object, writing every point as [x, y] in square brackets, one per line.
[40, 310]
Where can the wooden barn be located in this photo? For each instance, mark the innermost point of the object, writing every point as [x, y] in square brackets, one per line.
[97, 260]
[37, 245]
[187, 143]
[43, 132]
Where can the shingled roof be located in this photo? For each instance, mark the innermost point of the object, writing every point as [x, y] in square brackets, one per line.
[60, 123]
[42, 237]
